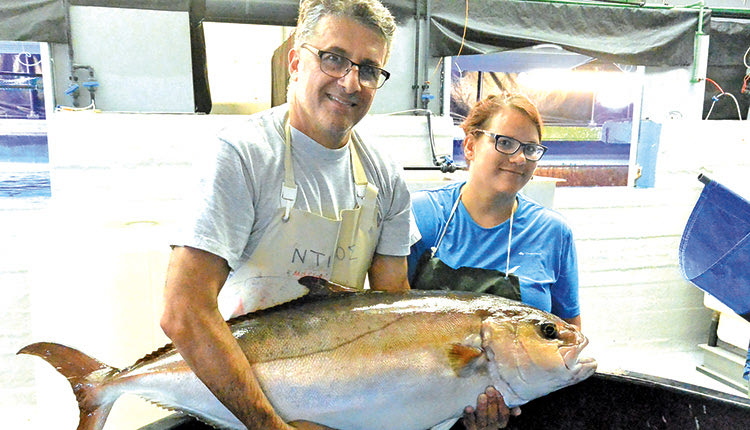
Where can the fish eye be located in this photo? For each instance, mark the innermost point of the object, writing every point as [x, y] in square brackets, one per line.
[549, 330]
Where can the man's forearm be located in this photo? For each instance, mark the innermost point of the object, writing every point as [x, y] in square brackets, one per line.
[388, 273]
[193, 322]
[219, 362]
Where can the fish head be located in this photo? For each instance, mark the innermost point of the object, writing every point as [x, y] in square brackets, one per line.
[532, 353]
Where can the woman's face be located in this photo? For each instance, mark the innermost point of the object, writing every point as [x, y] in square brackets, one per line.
[495, 171]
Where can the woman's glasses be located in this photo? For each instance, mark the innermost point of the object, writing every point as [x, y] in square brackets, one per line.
[509, 146]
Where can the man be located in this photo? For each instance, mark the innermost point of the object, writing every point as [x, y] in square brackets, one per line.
[292, 192]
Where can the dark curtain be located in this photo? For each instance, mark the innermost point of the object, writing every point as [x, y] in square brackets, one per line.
[730, 39]
[33, 21]
[647, 36]
[625, 35]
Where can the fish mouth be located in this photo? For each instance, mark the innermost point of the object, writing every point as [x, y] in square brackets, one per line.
[579, 367]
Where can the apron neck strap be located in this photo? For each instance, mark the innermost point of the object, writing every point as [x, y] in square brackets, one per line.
[510, 231]
[510, 236]
[289, 188]
[360, 179]
[445, 227]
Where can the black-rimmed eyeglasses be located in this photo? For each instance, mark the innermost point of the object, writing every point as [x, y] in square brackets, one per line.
[509, 146]
[338, 66]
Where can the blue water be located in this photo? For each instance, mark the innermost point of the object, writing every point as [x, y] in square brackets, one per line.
[24, 166]
[23, 180]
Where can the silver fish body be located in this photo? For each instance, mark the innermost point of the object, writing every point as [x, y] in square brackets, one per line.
[357, 361]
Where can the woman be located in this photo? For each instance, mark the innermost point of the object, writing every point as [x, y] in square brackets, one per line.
[486, 224]
[482, 235]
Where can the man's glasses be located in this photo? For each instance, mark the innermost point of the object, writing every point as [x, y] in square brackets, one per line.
[338, 66]
[509, 146]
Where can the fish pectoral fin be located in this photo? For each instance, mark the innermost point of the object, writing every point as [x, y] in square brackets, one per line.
[466, 359]
[323, 287]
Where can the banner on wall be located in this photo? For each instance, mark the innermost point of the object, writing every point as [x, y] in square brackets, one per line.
[21, 87]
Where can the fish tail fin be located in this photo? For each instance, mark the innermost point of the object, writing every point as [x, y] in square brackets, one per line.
[86, 376]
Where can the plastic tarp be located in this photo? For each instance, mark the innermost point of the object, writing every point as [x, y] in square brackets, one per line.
[626, 35]
[715, 247]
[33, 20]
[280, 12]
[46, 20]
[621, 34]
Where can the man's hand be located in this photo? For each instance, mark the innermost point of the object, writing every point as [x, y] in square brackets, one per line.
[491, 412]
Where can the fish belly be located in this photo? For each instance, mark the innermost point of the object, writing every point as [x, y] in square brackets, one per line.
[179, 390]
[389, 392]
[349, 388]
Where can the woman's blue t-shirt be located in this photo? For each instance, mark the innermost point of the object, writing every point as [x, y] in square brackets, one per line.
[541, 247]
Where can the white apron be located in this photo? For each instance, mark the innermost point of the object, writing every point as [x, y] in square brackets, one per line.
[298, 243]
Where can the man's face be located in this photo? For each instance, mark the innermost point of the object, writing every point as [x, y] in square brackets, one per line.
[326, 108]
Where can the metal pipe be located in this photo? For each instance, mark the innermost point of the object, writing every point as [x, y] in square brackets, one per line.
[700, 18]
[68, 31]
[72, 88]
[268, 12]
[698, 46]
[426, 53]
[415, 84]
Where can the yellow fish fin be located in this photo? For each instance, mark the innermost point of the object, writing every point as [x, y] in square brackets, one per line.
[466, 359]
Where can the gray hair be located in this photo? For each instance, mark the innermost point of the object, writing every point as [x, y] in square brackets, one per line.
[370, 13]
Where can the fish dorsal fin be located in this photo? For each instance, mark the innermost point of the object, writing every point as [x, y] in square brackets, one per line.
[318, 289]
[466, 359]
[322, 287]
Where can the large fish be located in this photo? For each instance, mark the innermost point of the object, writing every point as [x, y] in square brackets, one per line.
[369, 360]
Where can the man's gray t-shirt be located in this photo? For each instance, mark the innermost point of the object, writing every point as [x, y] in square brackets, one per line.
[240, 190]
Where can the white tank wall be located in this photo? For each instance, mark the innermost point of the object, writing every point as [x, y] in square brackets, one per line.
[97, 270]
[141, 59]
[143, 63]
